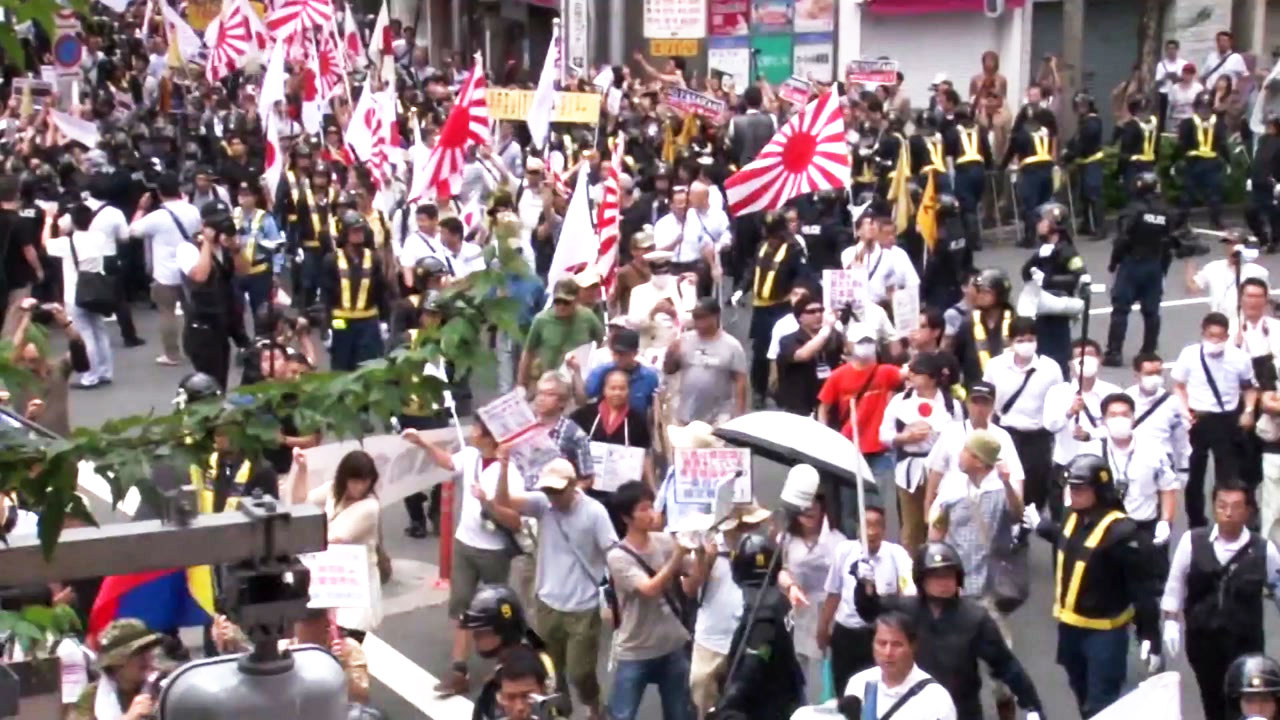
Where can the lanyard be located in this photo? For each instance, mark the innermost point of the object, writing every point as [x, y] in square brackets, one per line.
[626, 429]
[1109, 452]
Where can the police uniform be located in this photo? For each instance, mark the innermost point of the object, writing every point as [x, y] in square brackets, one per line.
[972, 153]
[1033, 146]
[227, 477]
[1264, 171]
[928, 156]
[865, 163]
[1086, 152]
[318, 229]
[950, 261]
[257, 231]
[777, 268]
[888, 152]
[979, 338]
[417, 414]
[1203, 142]
[355, 297]
[1139, 143]
[1138, 259]
[1062, 267]
[1217, 585]
[1102, 584]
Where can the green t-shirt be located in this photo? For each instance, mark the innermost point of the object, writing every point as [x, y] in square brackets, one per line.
[551, 338]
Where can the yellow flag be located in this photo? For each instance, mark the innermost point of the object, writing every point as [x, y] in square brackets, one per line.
[927, 215]
[27, 105]
[899, 195]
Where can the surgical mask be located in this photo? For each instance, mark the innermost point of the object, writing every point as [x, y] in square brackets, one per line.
[1213, 348]
[1120, 427]
[1089, 366]
[864, 350]
[1025, 349]
[1046, 249]
[1248, 253]
[1151, 383]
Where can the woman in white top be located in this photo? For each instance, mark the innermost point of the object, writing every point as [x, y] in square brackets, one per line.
[806, 560]
[84, 251]
[896, 682]
[352, 509]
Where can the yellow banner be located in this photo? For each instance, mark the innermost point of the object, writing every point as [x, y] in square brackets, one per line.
[572, 107]
[673, 47]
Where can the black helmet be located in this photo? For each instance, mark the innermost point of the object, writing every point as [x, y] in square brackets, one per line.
[1204, 99]
[430, 266]
[1085, 99]
[1252, 674]
[937, 556]
[752, 562]
[1146, 183]
[1056, 213]
[866, 197]
[346, 198]
[496, 608]
[948, 204]
[963, 113]
[1088, 469]
[352, 220]
[997, 281]
[195, 387]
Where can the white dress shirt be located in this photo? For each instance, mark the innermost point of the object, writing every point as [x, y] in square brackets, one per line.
[891, 566]
[1144, 470]
[1234, 66]
[418, 246]
[1232, 370]
[107, 221]
[468, 259]
[1056, 403]
[162, 232]
[909, 470]
[1164, 427]
[1260, 338]
[1166, 67]
[689, 237]
[1025, 414]
[944, 458]
[886, 268]
[1217, 280]
[931, 703]
[1175, 588]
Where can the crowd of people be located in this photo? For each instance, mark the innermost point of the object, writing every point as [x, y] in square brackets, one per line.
[980, 412]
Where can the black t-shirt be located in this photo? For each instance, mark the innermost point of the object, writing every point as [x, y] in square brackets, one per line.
[799, 382]
[19, 229]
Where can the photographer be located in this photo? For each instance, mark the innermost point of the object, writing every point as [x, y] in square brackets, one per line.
[209, 264]
[165, 228]
[45, 401]
[124, 690]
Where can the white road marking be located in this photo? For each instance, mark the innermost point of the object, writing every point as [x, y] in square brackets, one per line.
[1166, 303]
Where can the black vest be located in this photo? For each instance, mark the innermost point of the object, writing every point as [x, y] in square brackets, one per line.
[1226, 598]
[751, 132]
[211, 302]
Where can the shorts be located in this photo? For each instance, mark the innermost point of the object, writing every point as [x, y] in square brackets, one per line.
[471, 567]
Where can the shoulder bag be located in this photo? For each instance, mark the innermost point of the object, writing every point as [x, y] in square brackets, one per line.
[95, 292]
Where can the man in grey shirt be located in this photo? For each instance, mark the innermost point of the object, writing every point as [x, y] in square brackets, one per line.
[713, 383]
[574, 534]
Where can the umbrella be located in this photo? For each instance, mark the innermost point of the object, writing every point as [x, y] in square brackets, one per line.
[792, 439]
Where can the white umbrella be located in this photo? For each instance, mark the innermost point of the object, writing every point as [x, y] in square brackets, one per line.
[792, 439]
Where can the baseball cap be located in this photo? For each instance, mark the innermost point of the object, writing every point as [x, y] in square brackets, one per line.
[557, 475]
[982, 389]
[625, 340]
[859, 331]
[587, 278]
[984, 445]
[566, 289]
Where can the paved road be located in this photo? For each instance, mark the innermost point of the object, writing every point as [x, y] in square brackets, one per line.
[416, 627]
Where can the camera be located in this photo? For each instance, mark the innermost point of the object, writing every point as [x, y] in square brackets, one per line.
[42, 314]
[1184, 245]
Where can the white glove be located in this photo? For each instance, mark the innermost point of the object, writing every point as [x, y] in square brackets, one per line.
[1248, 184]
[1031, 516]
[1162, 533]
[1037, 275]
[327, 339]
[1033, 715]
[385, 330]
[1171, 631]
[1152, 659]
[865, 571]
[736, 297]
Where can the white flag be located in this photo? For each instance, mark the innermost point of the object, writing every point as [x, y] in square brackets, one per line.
[364, 122]
[273, 79]
[274, 160]
[578, 245]
[543, 106]
[189, 45]
[82, 131]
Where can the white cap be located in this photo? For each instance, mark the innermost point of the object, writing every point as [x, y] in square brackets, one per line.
[939, 78]
[800, 487]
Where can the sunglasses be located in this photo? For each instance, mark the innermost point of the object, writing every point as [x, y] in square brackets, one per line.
[813, 310]
[562, 301]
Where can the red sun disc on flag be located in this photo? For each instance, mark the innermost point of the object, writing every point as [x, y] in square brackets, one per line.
[798, 152]
[925, 410]
[310, 88]
[269, 155]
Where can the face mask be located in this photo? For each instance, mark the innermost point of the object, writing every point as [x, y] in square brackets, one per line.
[1090, 368]
[1213, 348]
[1046, 250]
[1248, 254]
[1151, 383]
[1120, 428]
[864, 350]
[1025, 349]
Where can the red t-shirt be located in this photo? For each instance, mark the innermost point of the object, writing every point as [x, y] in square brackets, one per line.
[846, 382]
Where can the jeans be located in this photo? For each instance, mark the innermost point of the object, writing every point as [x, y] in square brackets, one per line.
[669, 672]
[1091, 197]
[1095, 664]
[1035, 188]
[97, 343]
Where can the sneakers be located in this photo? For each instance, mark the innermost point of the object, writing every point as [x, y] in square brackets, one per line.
[167, 361]
[134, 342]
[416, 530]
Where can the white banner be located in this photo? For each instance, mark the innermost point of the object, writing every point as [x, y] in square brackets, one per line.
[1159, 696]
[576, 34]
[675, 19]
[403, 469]
[339, 577]
[615, 464]
[731, 56]
[700, 472]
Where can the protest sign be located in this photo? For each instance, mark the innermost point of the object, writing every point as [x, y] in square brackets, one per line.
[872, 72]
[339, 577]
[674, 18]
[686, 100]
[615, 464]
[571, 107]
[40, 90]
[700, 472]
[795, 90]
[403, 469]
[906, 309]
[510, 419]
[841, 288]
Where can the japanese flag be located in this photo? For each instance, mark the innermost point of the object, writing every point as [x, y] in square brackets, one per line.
[274, 158]
[932, 411]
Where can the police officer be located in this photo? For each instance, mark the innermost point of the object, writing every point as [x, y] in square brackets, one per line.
[951, 260]
[984, 334]
[1058, 268]
[864, 156]
[317, 233]
[1264, 171]
[1032, 145]
[928, 152]
[420, 313]
[498, 627]
[1202, 140]
[1139, 141]
[972, 153]
[1085, 150]
[778, 266]
[1216, 581]
[765, 679]
[1141, 255]
[212, 316]
[1102, 585]
[889, 150]
[954, 632]
[1253, 688]
[355, 297]
[259, 238]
